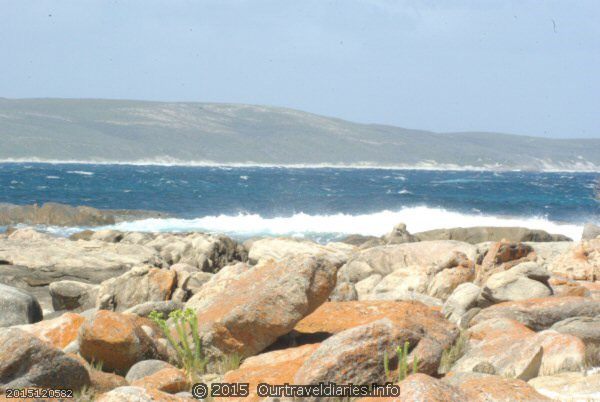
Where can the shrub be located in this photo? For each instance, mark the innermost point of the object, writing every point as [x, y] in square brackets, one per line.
[190, 356]
[402, 359]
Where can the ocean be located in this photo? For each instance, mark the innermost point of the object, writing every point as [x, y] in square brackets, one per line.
[323, 204]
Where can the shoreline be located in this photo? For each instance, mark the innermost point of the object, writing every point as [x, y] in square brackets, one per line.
[425, 166]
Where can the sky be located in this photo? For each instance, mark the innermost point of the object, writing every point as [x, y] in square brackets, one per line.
[522, 67]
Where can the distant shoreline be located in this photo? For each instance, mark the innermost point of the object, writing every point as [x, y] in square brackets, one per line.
[427, 166]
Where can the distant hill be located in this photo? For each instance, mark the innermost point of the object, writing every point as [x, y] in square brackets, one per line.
[119, 130]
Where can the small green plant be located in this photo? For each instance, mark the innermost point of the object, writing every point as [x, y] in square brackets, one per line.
[190, 356]
[402, 355]
[228, 363]
[454, 352]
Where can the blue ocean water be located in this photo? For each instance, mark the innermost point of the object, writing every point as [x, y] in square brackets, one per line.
[311, 202]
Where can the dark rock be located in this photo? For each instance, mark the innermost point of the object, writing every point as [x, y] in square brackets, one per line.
[18, 307]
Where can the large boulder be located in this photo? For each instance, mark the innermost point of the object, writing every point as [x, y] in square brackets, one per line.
[18, 307]
[590, 231]
[54, 214]
[570, 386]
[58, 332]
[119, 340]
[280, 248]
[480, 234]
[423, 388]
[399, 235]
[432, 333]
[580, 262]
[502, 256]
[73, 295]
[585, 328]
[139, 285]
[49, 259]
[26, 361]
[462, 299]
[540, 314]
[524, 281]
[355, 355]
[261, 304]
[497, 389]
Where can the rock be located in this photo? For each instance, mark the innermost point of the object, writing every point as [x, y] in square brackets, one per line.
[118, 340]
[580, 262]
[462, 299]
[18, 307]
[145, 368]
[183, 267]
[540, 314]
[480, 234]
[524, 281]
[514, 350]
[276, 367]
[164, 307]
[280, 248]
[505, 344]
[107, 235]
[501, 389]
[169, 379]
[139, 394]
[140, 285]
[105, 382]
[568, 386]
[355, 355]
[590, 231]
[345, 292]
[218, 283]
[196, 280]
[54, 214]
[444, 282]
[73, 295]
[360, 240]
[208, 253]
[432, 332]
[399, 235]
[502, 256]
[261, 304]
[565, 287]
[403, 295]
[585, 328]
[58, 332]
[26, 361]
[49, 259]
[423, 388]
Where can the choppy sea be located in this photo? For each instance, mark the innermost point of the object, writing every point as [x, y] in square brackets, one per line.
[319, 203]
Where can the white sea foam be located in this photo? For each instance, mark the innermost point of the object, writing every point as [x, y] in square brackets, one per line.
[535, 165]
[376, 224]
[81, 172]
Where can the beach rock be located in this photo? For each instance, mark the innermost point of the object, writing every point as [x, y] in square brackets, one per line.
[524, 281]
[590, 231]
[423, 388]
[276, 367]
[344, 292]
[140, 394]
[502, 256]
[280, 248]
[169, 379]
[580, 262]
[540, 314]
[480, 234]
[145, 368]
[105, 382]
[562, 352]
[431, 331]
[585, 328]
[573, 386]
[26, 361]
[361, 240]
[444, 282]
[58, 332]
[217, 283]
[206, 252]
[261, 304]
[72, 295]
[403, 295]
[118, 340]
[164, 307]
[462, 299]
[500, 389]
[139, 285]
[18, 307]
[49, 259]
[399, 235]
[354, 355]
[54, 214]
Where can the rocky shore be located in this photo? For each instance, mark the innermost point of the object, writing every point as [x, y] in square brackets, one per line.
[482, 314]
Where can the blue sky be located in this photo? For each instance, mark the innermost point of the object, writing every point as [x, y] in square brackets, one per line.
[523, 67]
